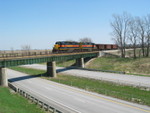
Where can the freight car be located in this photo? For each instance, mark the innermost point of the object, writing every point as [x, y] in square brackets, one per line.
[106, 46]
[68, 46]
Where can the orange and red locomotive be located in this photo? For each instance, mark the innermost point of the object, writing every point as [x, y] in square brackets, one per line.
[72, 46]
[68, 46]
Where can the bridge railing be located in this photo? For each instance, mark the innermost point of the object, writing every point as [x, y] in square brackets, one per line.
[22, 54]
[47, 58]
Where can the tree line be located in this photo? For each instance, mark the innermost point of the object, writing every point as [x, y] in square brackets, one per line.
[130, 30]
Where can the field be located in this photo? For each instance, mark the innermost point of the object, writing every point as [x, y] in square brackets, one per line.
[13, 103]
[139, 66]
[114, 90]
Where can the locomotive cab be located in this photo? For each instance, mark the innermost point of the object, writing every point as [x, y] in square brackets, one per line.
[56, 47]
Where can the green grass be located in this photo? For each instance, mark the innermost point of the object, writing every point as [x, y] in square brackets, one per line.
[28, 70]
[110, 89]
[107, 88]
[139, 66]
[13, 103]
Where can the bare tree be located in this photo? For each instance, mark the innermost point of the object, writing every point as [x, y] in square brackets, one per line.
[26, 49]
[120, 26]
[86, 39]
[147, 24]
[142, 33]
[133, 34]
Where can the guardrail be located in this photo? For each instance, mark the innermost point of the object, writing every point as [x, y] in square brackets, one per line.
[54, 107]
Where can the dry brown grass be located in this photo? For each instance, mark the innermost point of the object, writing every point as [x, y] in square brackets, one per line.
[140, 66]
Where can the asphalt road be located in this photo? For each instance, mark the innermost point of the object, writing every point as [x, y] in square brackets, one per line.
[118, 78]
[77, 100]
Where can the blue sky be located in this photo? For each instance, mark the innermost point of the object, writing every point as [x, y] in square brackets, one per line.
[40, 23]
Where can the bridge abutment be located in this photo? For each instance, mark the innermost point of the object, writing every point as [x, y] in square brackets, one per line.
[51, 69]
[3, 77]
[80, 62]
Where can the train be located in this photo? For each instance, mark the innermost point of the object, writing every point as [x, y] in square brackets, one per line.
[72, 46]
[107, 46]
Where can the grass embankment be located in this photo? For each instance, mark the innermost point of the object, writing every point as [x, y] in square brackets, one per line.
[139, 66]
[114, 90]
[13, 103]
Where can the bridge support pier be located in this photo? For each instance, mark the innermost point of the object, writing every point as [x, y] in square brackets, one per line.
[3, 77]
[51, 69]
[80, 62]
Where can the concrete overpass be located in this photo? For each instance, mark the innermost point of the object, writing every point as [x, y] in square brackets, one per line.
[50, 59]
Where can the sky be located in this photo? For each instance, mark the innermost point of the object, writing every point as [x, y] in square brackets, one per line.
[40, 23]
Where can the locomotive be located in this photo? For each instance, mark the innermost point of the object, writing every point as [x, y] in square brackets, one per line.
[72, 46]
[68, 46]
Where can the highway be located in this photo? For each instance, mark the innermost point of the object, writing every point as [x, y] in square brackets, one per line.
[113, 77]
[77, 100]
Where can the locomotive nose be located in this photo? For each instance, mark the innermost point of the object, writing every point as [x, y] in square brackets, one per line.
[56, 46]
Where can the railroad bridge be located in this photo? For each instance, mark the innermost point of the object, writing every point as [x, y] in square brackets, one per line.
[50, 59]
